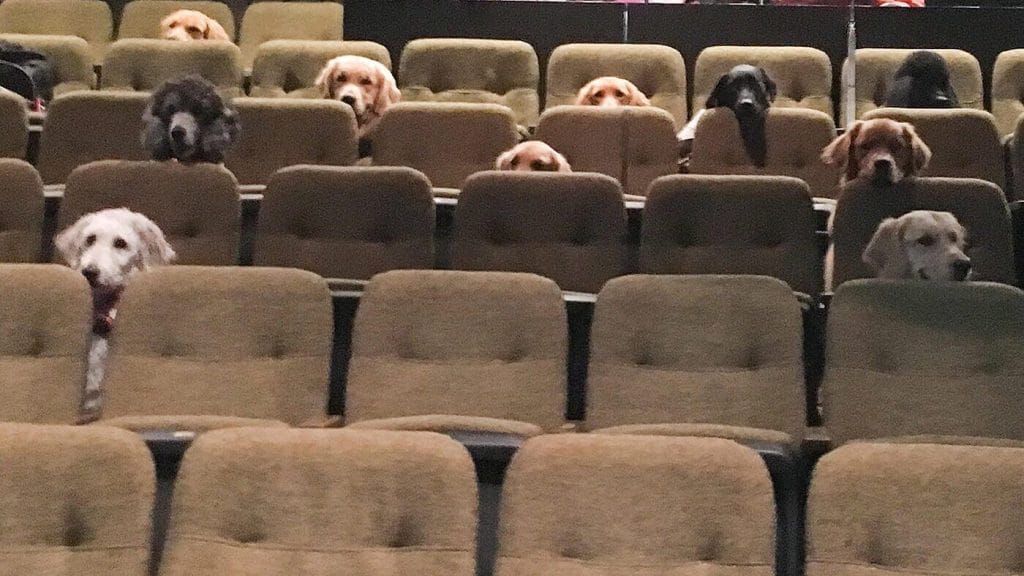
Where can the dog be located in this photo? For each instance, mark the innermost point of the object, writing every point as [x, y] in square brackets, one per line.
[922, 81]
[188, 25]
[611, 92]
[108, 247]
[882, 150]
[922, 244]
[532, 156]
[366, 85]
[187, 120]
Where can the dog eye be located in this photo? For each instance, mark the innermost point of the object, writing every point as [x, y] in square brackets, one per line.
[365, 81]
[340, 78]
[619, 93]
[538, 165]
[90, 239]
[926, 240]
[120, 244]
[192, 30]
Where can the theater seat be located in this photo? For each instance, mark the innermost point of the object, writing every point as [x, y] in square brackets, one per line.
[142, 18]
[90, 20]
[21, 211]
[13, 125]
[142, 64]
[70, 57]
[291, 67]
[265, 21]
[1008, 90]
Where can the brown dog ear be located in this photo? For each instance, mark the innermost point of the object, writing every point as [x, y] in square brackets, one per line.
[636, 96]
[841, 153]
[884, 252]
[214, 31]
[325, 81]
[388, 92]
[921, 154]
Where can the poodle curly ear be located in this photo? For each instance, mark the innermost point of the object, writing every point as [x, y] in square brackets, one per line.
[388, 92]
[636, 96]
[214, 31]
[156, 251]
[154, 135]
[884, 252]
[69, 242]
[324, 81]
[921, 154]
[841, 151]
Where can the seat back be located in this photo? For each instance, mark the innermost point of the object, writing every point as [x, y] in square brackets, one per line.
[472, 70]
[1008, 90]
[658, 71]
[143, 64]
[69, 56]
[141, 19]
[13, 125]
[978, 205]
[264, 21]
[21, 211]
[90, 20]
[291, 67]
[936, 358]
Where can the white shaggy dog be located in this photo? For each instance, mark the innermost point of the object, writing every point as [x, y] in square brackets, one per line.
[107, 247]
[922, 245]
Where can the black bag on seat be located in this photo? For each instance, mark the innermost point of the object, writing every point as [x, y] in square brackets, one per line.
[33, 65]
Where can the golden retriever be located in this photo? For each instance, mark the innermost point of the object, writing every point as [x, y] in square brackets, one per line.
[610, 91]
[922, 244]
[188, 25]
[532, 156]
[881, 150]
[366, 85]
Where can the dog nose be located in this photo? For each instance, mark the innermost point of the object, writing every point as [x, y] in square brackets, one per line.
[91, 274]
[883, 165]
[961, 268]
[348, 100]
[745, 106]
[178, 133]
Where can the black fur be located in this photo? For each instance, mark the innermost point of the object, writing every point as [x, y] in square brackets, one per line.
[748, 91]
[216, 119]
[922, 81]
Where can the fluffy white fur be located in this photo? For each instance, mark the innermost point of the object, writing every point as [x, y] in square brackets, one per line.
[922, 245]
[532, 156]
[366, 85]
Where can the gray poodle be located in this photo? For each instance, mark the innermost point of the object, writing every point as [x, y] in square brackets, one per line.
[187, 120]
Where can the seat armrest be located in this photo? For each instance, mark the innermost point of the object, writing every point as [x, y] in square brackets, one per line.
[491, 452]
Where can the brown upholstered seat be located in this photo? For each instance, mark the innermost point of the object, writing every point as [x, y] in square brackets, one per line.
[911, 358]
[452, 350]
[346, 222]
[90, 20]
[45, 320]
[320, 501]
[291, 67]
[568, 227]
[70, 57]
[265, 21]
[1008, 90]
[21, 211]
[76, 501]
[13, 125]
[978, 205]
[732, 225]
[610, 505]
[142, 64]
[196, 206]
[141, 19]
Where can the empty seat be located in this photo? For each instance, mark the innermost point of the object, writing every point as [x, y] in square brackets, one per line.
[69, 56]
[794, 139]
[732, 225]
[658, 71]
[269, 501]
[264, 21]
[472, 70]
[196, 206]
[450, 350]
[924, 358]
[142, 64]
[90, 20]
[21, 211]
[141, 19]
[45, 322]
[978, 205]
[291, 67]
[1008, 90]
[802, 75]
[76, 500]
[633, 145]
[609, 505]
[346, 222]
[13, 125]
[204, 347]
[568, 227]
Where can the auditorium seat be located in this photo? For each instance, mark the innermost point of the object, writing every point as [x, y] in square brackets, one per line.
[632, 144]
[13, 125]
[45, 322]
[346, 223]
[21, 211]
[252, 501]
[90, 20]
[198, 348]
[196, 206]
[75, 500]
[794, 139]
[568, 227]
[472, 70]
[69, 56]
[264, 21]
[291, 67]
[141, 18]
[610, 505]
[978, 205]
[142, 64]
[1008, 90]
[458, 351]
[802, 75]
[658, 71]
[930, 359]
[762, 225]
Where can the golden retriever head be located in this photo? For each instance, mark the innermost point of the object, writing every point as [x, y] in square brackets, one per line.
[609, 91]
[190, 25]
[882, 150]
[922, 245]
[532, 156]
[364, 84]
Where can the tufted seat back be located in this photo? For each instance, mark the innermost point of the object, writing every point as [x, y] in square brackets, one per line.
[607, 505]
[1008, 90]
[69, 56]
[291, 67]
[142, 19]
[21, 211]
[265, 21]
[142, 64]
[90, 20]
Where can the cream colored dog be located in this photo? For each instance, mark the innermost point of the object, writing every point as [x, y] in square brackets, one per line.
[532, 156]
[364, 84]
[187, 25]
[922, 245]
[609, 92]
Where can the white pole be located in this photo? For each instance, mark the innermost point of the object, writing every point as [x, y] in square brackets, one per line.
[849, 88]
[625, 23]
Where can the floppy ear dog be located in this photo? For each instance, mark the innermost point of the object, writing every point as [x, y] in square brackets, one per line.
[187, 120]
[922, 244]
[882, 150]
[922, 81]
[749, 92]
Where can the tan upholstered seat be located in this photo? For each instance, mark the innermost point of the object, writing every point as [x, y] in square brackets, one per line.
[1008, 90]
[264, 21]
[70, 57]
[697, 355]
[978, 205]
[13, 125]
[196, 206]
[45, 321]
[794, 138]
[447, 350]
[76, 501]
[611, 505]
[142, 64]
[142, 19]
[915, 509]
[21, 211]
[84, 126]
[802, 75]
[280, 132]
[634, 145]
[658, 71]
[472, 70]
[319, 501]
[568, 227]
[90, 20]
[732, 225]
[291, 67]
[446, 141]
[911, 358]
[201, 347]
[346, 222]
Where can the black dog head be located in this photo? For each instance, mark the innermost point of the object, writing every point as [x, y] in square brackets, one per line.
[189, 121]
[922, 81]
[746, 89]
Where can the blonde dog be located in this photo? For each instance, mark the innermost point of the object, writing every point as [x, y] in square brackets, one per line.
[882, 150]
[364, 84]
[532, 156]
[187, 25]
[610, 91]
[922, 244]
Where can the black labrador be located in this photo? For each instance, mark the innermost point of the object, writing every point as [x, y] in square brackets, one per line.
[748, 91]
[922, 81]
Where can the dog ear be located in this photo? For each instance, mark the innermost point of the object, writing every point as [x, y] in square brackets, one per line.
[769, 84]
[563, 164]
[837, 153]
[636, 96]
[921, 154]
[325, 80]
[388, 92]
[505, 159]
[167, 23]
[715, 98]
[214, 31]
[69, 242]
[156, 251]
[884, 252]
[584, 94]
